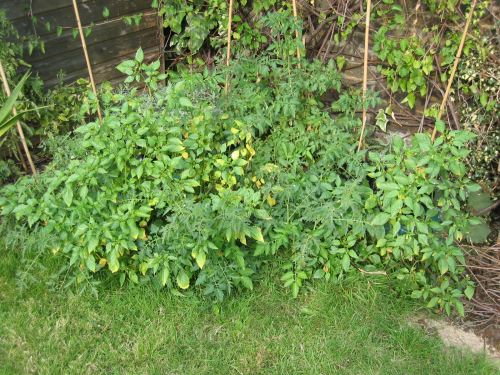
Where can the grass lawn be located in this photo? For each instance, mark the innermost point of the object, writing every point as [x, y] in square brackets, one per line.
[357, 328]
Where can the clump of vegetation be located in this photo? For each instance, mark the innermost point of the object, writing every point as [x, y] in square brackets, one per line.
[189, 186]
[47, 113]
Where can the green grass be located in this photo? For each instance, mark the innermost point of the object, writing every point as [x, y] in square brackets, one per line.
[357, 328]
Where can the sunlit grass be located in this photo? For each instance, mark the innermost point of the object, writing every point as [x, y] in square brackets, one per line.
[357, 328]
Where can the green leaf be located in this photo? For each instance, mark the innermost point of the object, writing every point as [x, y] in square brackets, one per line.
[460, 308]
[182, 280]
[443, 265]
[68, 195]
[381, 219]
[133, 277]
[8, 105]
[295, 289]
[247, 282]
[139, 55]
[484, 99]
[340, 60]
[346, 262]
[105, 12]
[164, 276]
[90, 263]
[416, 294]
[185, 102]
[433, 302]
[381, 120]
[440, 126]
[469, 291]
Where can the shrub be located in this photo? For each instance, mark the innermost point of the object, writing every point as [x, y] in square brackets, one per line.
[186, 185]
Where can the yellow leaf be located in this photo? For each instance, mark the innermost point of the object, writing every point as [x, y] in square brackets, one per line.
[271, 201]
[103, 262]
[185, 155]
[250, 150]
[235, 155]
[234, 130]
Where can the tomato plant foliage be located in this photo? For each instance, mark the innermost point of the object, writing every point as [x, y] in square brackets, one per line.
[185, 186]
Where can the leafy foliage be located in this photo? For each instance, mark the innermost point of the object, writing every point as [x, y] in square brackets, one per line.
[185, 185]
[193, 22]
[46, 113]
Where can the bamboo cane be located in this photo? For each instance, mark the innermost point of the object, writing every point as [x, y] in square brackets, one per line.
[87, 60]
[228, 55]
[454, 68]
[6, 89]
[365, 72]
[295, 16]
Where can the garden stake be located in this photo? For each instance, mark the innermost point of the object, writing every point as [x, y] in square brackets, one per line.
[295, 16]
[228, 56]
[454, 68]
[6, 89]
[365, 72]
[87, 60]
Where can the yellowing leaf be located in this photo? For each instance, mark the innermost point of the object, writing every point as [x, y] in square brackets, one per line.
[235, 155]
[103, 262]
[143, 268]
[250, 150]
[113, 263]
[201, 258]
[271, 201]
[182, 280]
[185, 155]
[256, 234]
[243, 239]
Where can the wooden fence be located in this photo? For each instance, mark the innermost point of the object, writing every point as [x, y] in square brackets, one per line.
[110, 41]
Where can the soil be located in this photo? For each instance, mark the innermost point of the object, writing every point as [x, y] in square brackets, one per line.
[458, 337]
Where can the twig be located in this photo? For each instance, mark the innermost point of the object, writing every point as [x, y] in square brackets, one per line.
[454, 68]
[365, 71]
[6, 88]
[87, 60]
